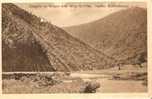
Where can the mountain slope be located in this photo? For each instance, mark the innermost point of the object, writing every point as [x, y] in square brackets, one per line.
[121, 35]
[31, 45]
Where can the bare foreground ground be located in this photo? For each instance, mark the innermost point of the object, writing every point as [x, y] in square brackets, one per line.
[128, 80]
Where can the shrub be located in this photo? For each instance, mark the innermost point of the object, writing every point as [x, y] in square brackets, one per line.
[90, 87]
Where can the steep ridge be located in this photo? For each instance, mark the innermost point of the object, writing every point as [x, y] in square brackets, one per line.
[32, 45]
[20, 51]
[121, 35]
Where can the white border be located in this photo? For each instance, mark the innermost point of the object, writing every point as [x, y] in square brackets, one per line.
[97, 95]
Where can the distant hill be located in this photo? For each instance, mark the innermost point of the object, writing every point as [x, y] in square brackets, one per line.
[28, 44]
[121, 35]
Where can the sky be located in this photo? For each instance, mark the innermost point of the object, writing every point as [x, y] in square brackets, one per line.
[69, 16]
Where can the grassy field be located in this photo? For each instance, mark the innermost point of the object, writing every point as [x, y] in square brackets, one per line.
[39, 83]
[19, 83]
[104, 81]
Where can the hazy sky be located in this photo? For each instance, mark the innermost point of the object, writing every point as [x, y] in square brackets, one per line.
[67, 16]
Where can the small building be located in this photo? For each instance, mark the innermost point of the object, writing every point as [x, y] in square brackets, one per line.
[43, 20]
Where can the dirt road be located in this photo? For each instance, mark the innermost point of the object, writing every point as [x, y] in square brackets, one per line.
[112, 86]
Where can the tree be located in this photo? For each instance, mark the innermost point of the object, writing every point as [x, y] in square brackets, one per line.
[141, 59]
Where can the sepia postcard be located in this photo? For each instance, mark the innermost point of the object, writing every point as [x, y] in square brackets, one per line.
[76, 48]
